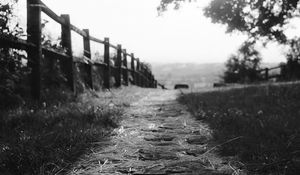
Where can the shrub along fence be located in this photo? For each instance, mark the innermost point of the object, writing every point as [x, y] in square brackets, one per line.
[138, 74]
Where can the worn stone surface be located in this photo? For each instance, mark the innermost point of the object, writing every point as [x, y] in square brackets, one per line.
[157, 136]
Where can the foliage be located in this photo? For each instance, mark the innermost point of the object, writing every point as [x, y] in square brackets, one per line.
[266, 118]
[147, 66]
[6, 15]
[13, 69]
[52, 75]
[165, 3]
[291, 69]
[243, 66]
[294, 51]
[258, 19]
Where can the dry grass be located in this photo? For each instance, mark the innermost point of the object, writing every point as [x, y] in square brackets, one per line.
[265, 117]
[47, 139]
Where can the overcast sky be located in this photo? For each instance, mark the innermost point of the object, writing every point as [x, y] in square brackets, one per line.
[177, 36]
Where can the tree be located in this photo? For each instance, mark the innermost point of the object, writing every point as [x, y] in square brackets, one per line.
[165, 3]
[259, 19]
[242, 67]
[291, 69]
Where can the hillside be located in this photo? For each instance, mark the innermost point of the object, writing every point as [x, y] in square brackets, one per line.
[196, 75]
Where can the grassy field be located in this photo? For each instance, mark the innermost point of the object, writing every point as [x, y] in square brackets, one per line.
[263, 124]
[48, 138]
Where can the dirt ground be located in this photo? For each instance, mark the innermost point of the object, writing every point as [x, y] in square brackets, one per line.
[157, 135]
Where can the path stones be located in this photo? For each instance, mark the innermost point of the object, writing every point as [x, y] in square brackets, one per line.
[153, 130]
[171, 126]
[168, 114]
[156, 154]
[198, 140]
[163, 144]
[195, 152]
[159, 138]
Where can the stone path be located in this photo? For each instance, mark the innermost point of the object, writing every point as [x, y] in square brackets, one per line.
[157, 136]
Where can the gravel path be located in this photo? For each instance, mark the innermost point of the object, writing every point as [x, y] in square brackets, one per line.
[157, 136]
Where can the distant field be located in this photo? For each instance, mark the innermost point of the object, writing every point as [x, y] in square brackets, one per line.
[265, 120]
[193, 74]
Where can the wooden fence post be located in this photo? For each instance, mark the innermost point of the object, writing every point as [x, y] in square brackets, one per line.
[107, 62]
[125, 72]
[87, 54]
[34, 32]
[152, 81]
[66, 41]
[148, 78]
[143, 76]
[133, 74]
[119, 66]
[138, 82]
[267, 73]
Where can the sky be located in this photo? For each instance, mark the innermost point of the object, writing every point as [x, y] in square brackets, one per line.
[178, 36]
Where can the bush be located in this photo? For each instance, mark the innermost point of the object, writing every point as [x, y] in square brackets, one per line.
[242, 67]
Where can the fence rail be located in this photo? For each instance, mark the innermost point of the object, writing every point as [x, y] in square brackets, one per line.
[265, 72]
[141, 75]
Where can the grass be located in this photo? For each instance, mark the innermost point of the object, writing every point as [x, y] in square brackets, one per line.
[47, 139]
[266, 118]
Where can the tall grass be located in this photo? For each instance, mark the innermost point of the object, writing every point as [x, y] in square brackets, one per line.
[267, 118]
[47, 140]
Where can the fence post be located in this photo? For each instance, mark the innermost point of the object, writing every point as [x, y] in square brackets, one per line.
[148, 78]
[143, 76]
[87, 54]
[66, 41]
[34, 31]
[152, 81]
[133, 70]
[67, 65]
[125, 72]
[119, 66]
[107, 62]
[138, 77]
[142, 79]
[267, 73]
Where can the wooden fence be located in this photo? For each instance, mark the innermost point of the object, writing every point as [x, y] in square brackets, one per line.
[267, 74]
[140, 74]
